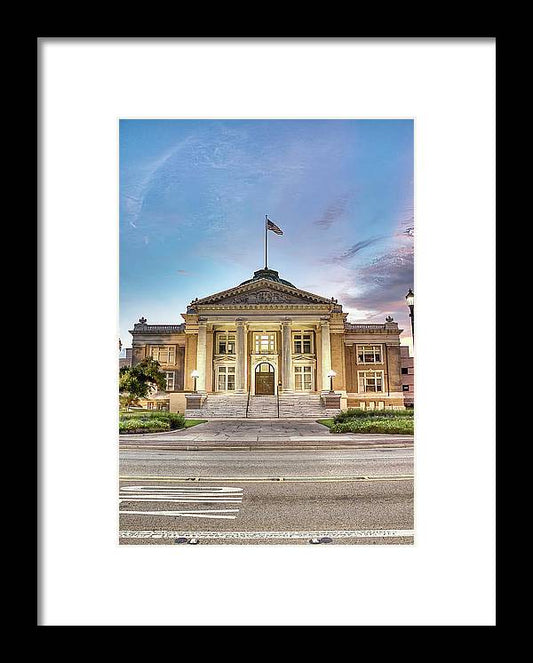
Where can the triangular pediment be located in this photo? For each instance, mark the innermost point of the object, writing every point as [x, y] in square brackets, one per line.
[258, 292]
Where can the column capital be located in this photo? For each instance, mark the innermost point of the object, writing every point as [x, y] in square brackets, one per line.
[324, 320]
[240, 321]
[202, 321]
[286, 321]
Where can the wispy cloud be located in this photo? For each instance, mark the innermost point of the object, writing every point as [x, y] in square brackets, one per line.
[383, 283]
[334, 211]
[358, 246]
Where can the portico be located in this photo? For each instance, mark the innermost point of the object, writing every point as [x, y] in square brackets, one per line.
[267, 337]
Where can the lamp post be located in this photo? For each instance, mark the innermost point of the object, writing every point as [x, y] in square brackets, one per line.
[331, 375]
[410, 299]
[195, 375]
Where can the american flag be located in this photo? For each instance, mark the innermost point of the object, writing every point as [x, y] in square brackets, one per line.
[272, 226]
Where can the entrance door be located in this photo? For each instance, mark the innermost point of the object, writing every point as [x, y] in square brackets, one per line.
[264, 380]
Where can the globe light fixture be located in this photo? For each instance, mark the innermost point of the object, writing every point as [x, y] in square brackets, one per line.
[410, 299]
[331, 375]
[195, 375]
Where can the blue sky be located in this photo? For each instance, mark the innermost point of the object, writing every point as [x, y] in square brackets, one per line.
[193, 199]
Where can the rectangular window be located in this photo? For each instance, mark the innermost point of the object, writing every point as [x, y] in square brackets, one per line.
[302, 343]
[226, 378]
[303, 378]
[370, 381]
[164, 354]
[405, 371]
[369, 354]
[169, 375]
[405, 387]
[265, 343]
[226, 343]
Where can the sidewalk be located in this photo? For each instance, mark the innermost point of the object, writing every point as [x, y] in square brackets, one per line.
[260, 433]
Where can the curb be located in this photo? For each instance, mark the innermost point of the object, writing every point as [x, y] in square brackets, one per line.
[265, 446]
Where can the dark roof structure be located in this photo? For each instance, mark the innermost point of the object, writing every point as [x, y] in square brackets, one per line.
[269, 274]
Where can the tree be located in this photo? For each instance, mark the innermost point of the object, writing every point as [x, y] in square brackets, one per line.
[137, 381]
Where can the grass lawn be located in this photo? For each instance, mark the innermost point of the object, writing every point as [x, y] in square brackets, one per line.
[392, 422]
[189, 423]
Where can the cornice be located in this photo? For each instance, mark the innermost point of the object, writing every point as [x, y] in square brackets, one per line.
[259, 285]
[157, 329]
[262, 307]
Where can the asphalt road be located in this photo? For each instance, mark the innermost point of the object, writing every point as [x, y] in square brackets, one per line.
[356, 496]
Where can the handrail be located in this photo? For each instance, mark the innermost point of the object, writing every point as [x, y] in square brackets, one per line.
[248, 402]
[277, 399]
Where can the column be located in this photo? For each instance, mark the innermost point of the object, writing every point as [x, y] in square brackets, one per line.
[201, 354]
[286, 356]
[240, 351]
[326, 353]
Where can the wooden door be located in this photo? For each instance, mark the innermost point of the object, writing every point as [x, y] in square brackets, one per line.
[264, 384]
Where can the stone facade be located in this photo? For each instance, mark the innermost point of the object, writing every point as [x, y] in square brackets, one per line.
[266, 337]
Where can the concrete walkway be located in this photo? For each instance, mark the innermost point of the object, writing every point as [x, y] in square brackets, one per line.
[246, 432]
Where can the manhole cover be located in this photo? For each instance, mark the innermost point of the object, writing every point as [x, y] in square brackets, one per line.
[181, 539]
[326, 539]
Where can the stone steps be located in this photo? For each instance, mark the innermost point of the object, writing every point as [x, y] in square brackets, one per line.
[263, 407]
[220, 406]
[291, 406]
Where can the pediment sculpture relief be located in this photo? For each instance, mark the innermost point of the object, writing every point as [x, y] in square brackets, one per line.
[262, 297]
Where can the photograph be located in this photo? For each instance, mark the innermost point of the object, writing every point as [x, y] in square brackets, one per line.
[266, 331]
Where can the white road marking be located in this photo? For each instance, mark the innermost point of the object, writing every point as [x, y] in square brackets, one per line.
[191, 495]
[178, 499]
[334, 534]
[183, 494]
[210, 489]
[269, 479]
[211, 513]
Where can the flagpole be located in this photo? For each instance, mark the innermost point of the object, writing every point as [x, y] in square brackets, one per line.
[266, 240]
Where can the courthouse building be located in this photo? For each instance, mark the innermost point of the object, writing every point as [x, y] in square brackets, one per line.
[267, 348]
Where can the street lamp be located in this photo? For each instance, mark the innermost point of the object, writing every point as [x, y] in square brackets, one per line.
[410, 299]
[331, 375]
[195, 375]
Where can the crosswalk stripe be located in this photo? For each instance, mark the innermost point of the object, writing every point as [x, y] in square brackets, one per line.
[210, 513]
[213, 495]
[177, 499]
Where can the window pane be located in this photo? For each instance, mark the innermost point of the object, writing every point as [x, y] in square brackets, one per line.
[307, 346]
[231, 382]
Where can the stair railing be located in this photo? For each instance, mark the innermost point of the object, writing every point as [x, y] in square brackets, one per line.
[248, 401]
[277, 399]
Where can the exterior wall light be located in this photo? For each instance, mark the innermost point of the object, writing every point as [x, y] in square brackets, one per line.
[195, 375]
[410, 299]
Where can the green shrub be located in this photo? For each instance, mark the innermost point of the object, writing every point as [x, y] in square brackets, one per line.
[139, 425]
[357, 413]
[392, 426]
[150, 421]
